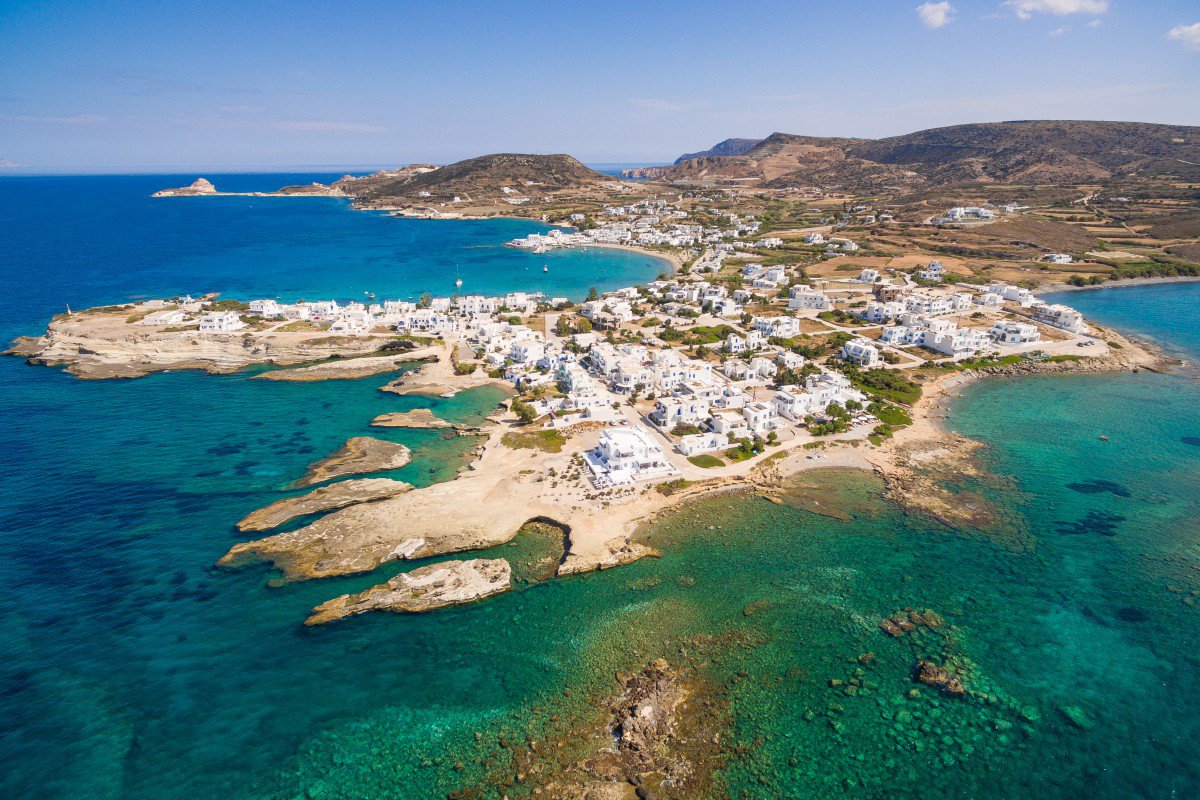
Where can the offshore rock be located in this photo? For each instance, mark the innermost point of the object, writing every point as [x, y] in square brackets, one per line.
[448, 583]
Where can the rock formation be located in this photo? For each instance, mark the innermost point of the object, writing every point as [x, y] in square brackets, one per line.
[438, 585]
[324, 498]
[360, 454]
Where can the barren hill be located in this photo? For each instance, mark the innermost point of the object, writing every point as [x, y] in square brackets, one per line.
[495, 176]
[729, 147]
[1030, 152]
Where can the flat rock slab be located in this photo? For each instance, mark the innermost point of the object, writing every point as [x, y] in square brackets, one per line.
[324, 498]
[448, 583]
[344, 369]
[360, 454]
[418, 418]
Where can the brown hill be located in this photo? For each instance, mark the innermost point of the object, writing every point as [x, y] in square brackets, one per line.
[729, 147]
[1031, 152]
[485, 177]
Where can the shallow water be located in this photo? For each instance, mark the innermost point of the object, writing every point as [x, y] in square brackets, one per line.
[135, 670]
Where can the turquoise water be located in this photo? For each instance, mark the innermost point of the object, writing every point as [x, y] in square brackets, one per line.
[134, 669]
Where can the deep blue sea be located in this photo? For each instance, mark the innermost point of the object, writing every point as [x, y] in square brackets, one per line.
[134, 669]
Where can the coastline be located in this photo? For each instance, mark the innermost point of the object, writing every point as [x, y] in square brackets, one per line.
[920, 457]
[1052, 288]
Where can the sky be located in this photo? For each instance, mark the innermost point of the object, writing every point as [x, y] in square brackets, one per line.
[137, 86]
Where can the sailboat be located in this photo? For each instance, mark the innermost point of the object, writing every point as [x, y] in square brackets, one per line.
[545, 267]
[457, 279]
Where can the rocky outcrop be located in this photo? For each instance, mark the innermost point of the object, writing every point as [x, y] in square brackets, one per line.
[448, 583]
[347, 368]
[940, 678]
[360, 454]
[660, 736]
[417, 418]
[102, 343]
[200, 186]
[203, 187]
[616, 552]
[324, 498]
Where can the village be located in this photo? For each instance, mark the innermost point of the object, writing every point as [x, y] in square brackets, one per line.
[687, 376]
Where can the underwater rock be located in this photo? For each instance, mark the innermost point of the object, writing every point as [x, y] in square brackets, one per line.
[1101, 523]
[909, 619]
[1098, 486]
[1077, 717]
[939, 678]
[1194, 441]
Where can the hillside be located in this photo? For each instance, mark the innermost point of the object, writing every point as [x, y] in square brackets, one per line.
[1028, 152]
[729, 147]
[498, 176]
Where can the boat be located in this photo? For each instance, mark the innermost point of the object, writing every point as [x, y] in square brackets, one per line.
[545, 268]
[457, 279]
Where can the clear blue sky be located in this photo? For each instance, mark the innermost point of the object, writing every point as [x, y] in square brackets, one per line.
[94, 85]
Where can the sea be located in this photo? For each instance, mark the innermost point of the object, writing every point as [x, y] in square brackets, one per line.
[134, 668]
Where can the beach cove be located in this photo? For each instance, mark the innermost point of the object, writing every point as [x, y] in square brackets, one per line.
[442, 702]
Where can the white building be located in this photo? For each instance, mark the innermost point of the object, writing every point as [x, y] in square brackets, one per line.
[805, 297]
[626, 455]
[1059, 316]
[266, 308]
[1057, 258]
[671, 411]
[171, 316]
[877, 312]
[860, 351]
[933, 272]
[696, 443]
[1015, 333]
[779, 327]
[221, 322]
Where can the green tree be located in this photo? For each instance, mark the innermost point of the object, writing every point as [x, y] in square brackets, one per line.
[524, 411]
[592, 293]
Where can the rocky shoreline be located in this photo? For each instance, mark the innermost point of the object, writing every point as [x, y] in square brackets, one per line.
[99, 344]
[919, 458]
[322, 499]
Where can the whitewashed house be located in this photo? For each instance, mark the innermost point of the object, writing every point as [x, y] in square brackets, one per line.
[625, 455]
[777, 327]
[265, 308]
[221, 322]
[1015, 333]
[805, 297]
[696, 443]
[860, 351]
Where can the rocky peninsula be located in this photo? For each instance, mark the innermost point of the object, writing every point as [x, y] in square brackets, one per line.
[360, 454]
[322, 499]
[126, 341]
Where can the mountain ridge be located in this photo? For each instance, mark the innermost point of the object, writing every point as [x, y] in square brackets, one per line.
[1023, 151]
